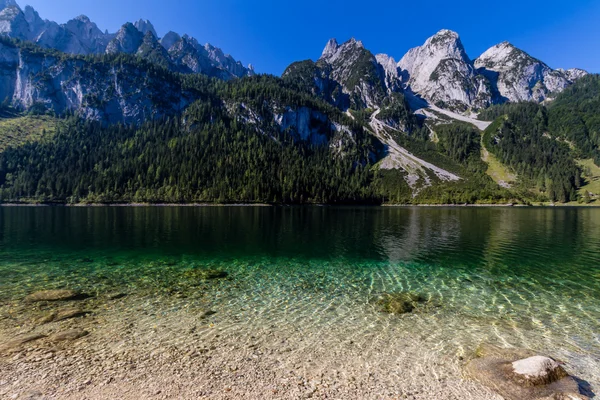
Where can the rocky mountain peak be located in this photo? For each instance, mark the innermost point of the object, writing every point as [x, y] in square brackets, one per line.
[446, 44]
[501, 56]
[81, 36]
[13, 22]
[36, 24]
[127, 40]
[573, 74]
[333, 51]
[83, 18]
[83, 28]
[388, 63]
[520, 77]
[441, 71]
[330, 48]
[8, 3]
[145, 26]
[170, 39]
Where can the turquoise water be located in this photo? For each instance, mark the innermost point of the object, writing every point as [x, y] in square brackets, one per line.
[527, 277]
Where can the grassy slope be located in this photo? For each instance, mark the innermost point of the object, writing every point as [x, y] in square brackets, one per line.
[18, 130]
[591, 174]
[499, 172]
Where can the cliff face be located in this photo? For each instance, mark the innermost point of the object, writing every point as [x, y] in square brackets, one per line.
[109, 92]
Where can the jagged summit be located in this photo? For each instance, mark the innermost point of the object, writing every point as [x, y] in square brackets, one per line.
[330, 48]
[145, 26]
[445, 35]
[333, 49]
[82, 18]
[82, 36]
[441, 71]
[520, 77]
[8, 3]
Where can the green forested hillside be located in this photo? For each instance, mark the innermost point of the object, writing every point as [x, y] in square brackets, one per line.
[543, 143]
[206, 156]
[520, 140]
[575, 117]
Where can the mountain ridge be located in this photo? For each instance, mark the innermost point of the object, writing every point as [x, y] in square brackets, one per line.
[81, 36]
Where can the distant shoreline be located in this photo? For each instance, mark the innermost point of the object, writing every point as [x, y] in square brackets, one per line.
[84, 205]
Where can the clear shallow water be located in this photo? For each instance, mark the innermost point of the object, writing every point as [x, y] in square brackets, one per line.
[510, 276]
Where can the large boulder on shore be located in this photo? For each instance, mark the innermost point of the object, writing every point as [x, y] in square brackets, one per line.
[518, 374]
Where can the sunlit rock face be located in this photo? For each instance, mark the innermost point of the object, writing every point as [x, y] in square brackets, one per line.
[521, 77]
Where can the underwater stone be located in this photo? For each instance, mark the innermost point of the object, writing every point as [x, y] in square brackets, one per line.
[400, 303]
[16, 342]
[537, 370]
[61, 315]
[207, 314]
[72, 334]
[519, 374]
[205, 274]
[53, 295]
[116, 296]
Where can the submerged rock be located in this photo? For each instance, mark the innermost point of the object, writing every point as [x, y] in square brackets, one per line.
[19, 340]
[61, 315]
[207, 314]
[54, 295]
[72, 334]
[400, 303]
[116, 295]
[205, 274]
[518, 374]
[537, 370]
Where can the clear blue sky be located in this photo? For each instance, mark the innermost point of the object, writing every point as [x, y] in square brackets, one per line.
[272, 33]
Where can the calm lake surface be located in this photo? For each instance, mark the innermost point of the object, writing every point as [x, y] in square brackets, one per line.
[526, 277]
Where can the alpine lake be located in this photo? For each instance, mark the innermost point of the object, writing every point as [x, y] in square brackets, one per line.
[293, 302]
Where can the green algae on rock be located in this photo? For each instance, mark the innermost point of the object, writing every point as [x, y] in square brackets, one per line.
[400, 303]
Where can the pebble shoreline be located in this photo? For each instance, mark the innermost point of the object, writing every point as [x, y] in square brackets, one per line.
[137, 347]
